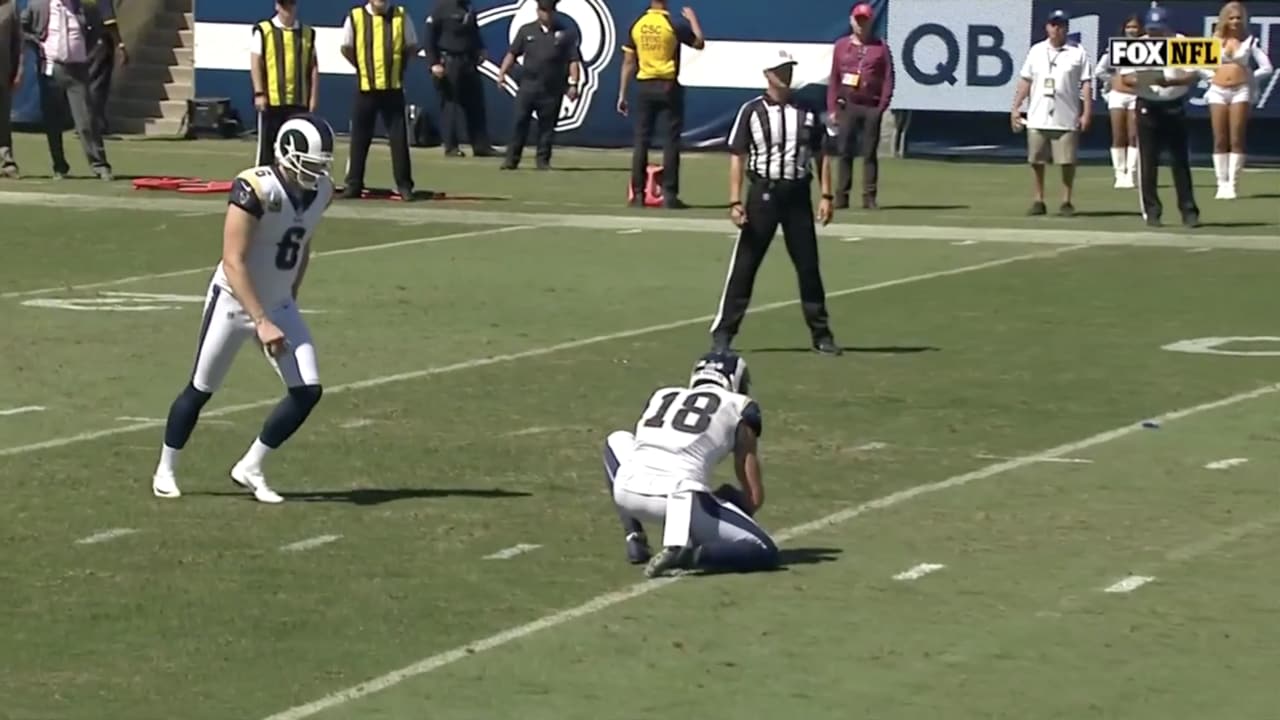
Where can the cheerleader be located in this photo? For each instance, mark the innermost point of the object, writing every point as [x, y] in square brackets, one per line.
[1120, 103]
[1231, 91]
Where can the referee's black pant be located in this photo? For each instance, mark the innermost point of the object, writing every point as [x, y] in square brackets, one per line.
[369, 106]
[1163, 126]
[654, 97]
[269, 121]
[770, 204]
[461, 93]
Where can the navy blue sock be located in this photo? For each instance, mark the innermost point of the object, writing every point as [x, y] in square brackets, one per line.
[183, 415]
[289, 414]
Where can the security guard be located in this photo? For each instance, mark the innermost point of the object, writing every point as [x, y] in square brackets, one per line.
[782, 138]
[379, 40]
[1162, 124]
[551, 54]
[285, 74]
[652, 53]
[454, 52]
[104, 42]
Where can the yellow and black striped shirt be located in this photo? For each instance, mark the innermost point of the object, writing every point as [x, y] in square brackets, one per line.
[288, 54]
[655, 41]
[380, 44]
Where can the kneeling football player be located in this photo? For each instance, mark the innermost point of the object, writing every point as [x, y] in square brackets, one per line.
[271, 218]
[662, 470]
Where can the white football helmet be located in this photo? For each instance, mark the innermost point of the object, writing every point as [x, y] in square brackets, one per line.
[304, 148]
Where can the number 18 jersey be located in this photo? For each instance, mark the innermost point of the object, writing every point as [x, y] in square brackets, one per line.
[683, 434]
[286, 224]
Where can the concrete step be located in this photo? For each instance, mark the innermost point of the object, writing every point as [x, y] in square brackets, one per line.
[178, 6]
[141, 108]
[161, 55]
[138, 71]
[187, 39]
[174, 21]
[186, 56]
[133, 90]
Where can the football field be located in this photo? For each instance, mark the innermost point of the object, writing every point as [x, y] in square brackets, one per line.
[1041, 483]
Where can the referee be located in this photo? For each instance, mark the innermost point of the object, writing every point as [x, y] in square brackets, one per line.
[285, 74]
[775, 140]
[379, 40]
[652, 53]
[1162, 125]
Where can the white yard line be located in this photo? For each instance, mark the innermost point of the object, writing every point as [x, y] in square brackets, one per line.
[1062, 460]
[1128, 584]
[918, 571]
[1226, 464]
[105, 535]
[514, 550]
[209, 269]
[608, 600]
[356, 423]
[22, 410]
[309, 543]
[672, 223]
[532, 353]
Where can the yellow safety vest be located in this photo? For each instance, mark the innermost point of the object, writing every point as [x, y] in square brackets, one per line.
[287, 56]
[379, 48]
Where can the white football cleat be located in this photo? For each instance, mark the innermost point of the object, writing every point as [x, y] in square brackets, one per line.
[254, 481]
[165, 485]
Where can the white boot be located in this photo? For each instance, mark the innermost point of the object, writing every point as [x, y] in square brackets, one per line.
[1118, 164]
[1131, 165]
[1220, 173]
[1235, 164]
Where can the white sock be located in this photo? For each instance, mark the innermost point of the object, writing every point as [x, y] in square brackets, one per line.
[1131, 160]
[1220, 167]
[168, 459]
[1118, 160]
[1235, 163]
[254, 456]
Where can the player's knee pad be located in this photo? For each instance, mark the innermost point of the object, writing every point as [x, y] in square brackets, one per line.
[307, 396]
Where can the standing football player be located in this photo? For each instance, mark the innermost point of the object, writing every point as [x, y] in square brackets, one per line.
[662, 470]
[266, 244]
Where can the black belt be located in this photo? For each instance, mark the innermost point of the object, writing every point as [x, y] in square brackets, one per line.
[781, 184]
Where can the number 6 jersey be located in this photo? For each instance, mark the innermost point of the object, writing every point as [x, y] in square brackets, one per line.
[683, 434]
[286, 222]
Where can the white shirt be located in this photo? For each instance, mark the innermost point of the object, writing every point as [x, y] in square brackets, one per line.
[681, 437]
[256, 49]
[280, 239]
[1056, 76]
[64, 40]
[349, 33]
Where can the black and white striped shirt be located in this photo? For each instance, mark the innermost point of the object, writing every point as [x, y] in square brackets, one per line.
[780, 139]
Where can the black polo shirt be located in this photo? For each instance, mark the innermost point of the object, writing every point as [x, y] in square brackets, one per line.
[547, 52]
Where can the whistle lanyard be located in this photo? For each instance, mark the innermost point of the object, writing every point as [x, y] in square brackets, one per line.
[862, 56]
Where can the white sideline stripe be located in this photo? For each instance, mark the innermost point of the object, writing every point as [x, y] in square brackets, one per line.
[309, 543]
[607, 600]
[209, 268]
[1064, 460]
[390, 212]
[535, 352]
[514, 550]
[105, 535]
[1129, 584]
[131, 418]
[918, 571]
[23, 410]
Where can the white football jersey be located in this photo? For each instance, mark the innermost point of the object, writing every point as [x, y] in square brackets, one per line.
[683, 434]
[286, 224]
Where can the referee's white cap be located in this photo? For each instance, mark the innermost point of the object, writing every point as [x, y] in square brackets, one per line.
[777, 61]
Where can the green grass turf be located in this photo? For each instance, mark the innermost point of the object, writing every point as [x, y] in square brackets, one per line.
[201, 615]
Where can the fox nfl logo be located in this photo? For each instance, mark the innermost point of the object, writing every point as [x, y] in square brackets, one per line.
[1187, 53]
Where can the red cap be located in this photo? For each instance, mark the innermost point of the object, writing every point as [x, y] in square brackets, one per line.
[863, 10]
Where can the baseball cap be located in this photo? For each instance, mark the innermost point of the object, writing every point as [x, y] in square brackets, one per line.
[1157, 18]
[862, 10]
[1059, 17]
[780, 60]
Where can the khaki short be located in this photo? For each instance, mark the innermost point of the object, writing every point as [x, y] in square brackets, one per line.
[1060, 146]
